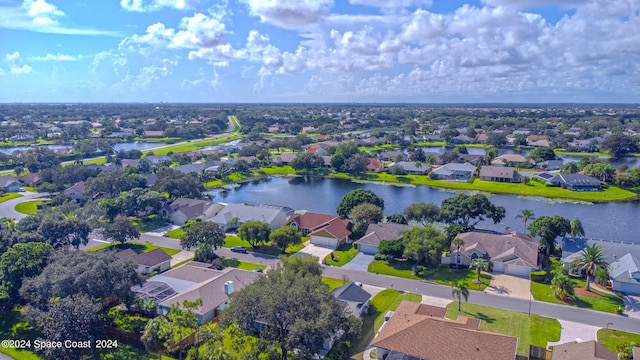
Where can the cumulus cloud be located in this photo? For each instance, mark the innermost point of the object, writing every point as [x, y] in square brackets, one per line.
[57, 57]
[392, 4]
[42, 12]
[529, 4]
[16, 67]
[154, 5]
[290, 14]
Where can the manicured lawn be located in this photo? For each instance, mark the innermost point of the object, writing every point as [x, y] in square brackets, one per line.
[384, 301]
[333, 283]
[342, 256]
[232, 240]
[175, 233]
[244, 265]
[28, 207]
[139, 248]
[8, 196]
[149, 223]
[277, 170]
[193, 145]
[611, 339]
[598, 301]
[440, 275]
[534, 330]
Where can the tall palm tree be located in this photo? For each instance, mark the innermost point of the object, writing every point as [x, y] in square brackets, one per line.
[576, 228]
[526, 215]
[480, 264]
[460, 291]
[458, 242]
[591, 259]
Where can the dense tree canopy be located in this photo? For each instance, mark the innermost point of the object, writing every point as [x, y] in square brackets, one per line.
[469, 210]
[177, 184]
[355, 198]
[284, 236]
[255, 232]
[202, 232]
[619, 145]
[121, 230]
[19, 262]
[422, 212]
[296, 310]
[424, 245]
[549, 228]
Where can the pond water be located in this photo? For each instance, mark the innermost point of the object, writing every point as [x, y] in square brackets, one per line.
[613, 221]
[117, 147]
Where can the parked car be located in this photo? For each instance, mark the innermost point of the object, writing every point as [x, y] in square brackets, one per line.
[257, 270]
[239, 249]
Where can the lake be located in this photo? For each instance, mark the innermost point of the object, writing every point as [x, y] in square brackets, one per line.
[116, 147]
[612, 221]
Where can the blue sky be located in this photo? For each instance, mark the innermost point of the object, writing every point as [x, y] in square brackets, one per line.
[320, 51]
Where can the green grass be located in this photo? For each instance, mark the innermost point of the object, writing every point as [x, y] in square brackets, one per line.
[276, 170]
[244, 265]
[342, 256]
[440, 275]
[8, 196]
[175, 233]
[182, 263]
[384, 301]
[149, 223]
[231, 241]
[126, 351]
[192, 145]
[611, 339]
[139, 248]
[14, 326]
[333, 283]
[530, 330]
[604, 302]
[28, 207]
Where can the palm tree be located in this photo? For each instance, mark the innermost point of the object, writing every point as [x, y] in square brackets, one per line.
[480, 264]
[526, 215]
[460, 291]
[576, 228]
[591, 259]
[458, 243]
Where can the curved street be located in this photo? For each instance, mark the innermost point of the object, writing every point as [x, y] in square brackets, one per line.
[8, 208]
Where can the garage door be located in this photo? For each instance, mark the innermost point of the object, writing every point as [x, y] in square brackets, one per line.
[368, 249]
[498, 267]
[517, 270]
[323, 241]
[631, 289]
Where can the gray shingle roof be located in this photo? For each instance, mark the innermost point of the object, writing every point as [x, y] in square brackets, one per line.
[626, 269]
[382, 231]
[501, 247]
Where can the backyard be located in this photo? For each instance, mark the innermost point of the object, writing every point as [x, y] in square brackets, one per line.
[530, 330]
[441, 274]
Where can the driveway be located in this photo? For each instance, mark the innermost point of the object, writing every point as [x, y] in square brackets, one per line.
[573, 331]
[317, 251]
[632, 306]
[360, 262]
[511, 286]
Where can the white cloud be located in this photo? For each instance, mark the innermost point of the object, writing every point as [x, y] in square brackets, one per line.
[393, 4]
[290, 14]
[42, 12]
[528, 4]
[20, 70]
[57, 57]
[154, 5]
[16, 67]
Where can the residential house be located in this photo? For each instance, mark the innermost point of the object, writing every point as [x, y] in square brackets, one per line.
[516, 160]
[76, 191]
[375, 233]
[392, 155]
[470, 158]
[462, 139]
[375, 165]
[482, 138]
[552, 165]
[454, 172]
[354, 298]
[153, 134]
[195, 280]
[418, 331]
[575, 182]
[182, 210]
[32, 179]
[540, 143]
[125, 163]
[531, 139]
[10, 184]
[154, 260]
[624, 274]
[512, 254]
[323, 229]
[499, 174]
[197, 167]
[413, 167]
[284, 158]
[157, 159]
[234, 215]
[588, 350]
[150, 178]
[316, 149]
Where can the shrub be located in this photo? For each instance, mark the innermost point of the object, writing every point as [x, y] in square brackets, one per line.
[538, 276]
[562, 286]
[602, 277]
[394, 248]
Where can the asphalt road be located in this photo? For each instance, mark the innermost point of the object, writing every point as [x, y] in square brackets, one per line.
[7, 208]
[590, 317]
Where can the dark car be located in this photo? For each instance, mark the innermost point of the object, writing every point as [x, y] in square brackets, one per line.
[239, 249]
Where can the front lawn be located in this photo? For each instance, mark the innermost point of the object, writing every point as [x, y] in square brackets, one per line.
[333, 283]
[139, 248]
[342, 255]
[149, 223]
[442, 274]
[611, 339]
[244, 265]
[530, 330]
[384, 301]
[175, 233]
[28, 207]
[232, 241]
[8, 196]
[593, 300]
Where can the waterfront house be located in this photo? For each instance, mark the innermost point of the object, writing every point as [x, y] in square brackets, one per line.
[413, 167]
[454, 171]
[513, 253]
[499, 174]
[183, 209]
[516, 160]
[369, 243]
[575, 182]
[234, 215]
